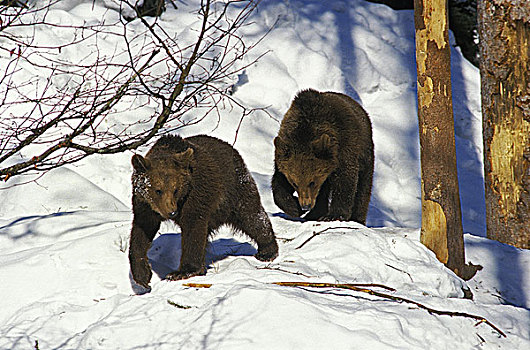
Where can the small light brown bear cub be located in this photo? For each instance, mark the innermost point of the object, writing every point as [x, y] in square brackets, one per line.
[324, 152]
[200, 183]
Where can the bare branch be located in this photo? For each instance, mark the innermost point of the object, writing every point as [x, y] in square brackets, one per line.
[97, 103]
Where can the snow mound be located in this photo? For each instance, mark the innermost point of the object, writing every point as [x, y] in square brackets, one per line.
[72, 290]
[58, 190]
[350, 252]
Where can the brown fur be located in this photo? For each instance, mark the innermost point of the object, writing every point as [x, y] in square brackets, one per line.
[324, 151]
[200, 183]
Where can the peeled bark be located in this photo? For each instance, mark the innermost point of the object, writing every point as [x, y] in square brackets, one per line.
[504, 29]
[441, 226]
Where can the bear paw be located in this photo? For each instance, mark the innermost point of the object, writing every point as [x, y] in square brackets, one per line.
[268, 252]
[333, 217]
[182, 275]
[141, 272]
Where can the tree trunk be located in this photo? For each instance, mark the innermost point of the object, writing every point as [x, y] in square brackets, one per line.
[504, 29]
[441, 224]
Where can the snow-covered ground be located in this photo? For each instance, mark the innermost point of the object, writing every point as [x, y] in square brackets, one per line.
[64, 238]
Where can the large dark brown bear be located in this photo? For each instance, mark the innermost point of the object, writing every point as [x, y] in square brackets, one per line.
[200, 183]
[324, 152]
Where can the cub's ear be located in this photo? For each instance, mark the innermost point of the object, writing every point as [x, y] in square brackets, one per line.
[184, 159]
[281, 147]
[325, 147]
[140, 164]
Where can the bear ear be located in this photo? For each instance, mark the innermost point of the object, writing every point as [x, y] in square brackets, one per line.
[140, 164]
[184, 159]
[281, 147]
[325, 147]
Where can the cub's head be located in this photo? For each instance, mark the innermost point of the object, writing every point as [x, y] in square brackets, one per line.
[163, 181]
[307, 168]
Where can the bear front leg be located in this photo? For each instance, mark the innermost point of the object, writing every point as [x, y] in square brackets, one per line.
[282, 192]
[342, 192]
[362, 197]
[254, 222]
[194, 238]
[145, 226]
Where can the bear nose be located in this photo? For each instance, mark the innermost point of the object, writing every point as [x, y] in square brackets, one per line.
[306, 207]
[173, 214]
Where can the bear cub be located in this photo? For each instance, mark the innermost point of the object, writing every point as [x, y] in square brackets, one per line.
[325, 153]
[200, 183]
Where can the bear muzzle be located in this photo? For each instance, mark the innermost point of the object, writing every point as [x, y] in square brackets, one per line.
[305, 208]
[306, 202]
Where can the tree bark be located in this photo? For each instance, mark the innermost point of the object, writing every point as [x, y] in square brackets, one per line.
[504, 30]
[441, 224]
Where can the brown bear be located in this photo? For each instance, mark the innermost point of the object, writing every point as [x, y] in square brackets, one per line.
[324, 152]
[200, 183]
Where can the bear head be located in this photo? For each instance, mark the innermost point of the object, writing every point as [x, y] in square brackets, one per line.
[163, 180]
[307, 168]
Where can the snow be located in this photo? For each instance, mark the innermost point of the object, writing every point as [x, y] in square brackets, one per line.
[64, 238]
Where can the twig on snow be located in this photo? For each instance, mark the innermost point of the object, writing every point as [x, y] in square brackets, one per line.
[480, 319]
[353, 286]
[362, 288]
[277, 268]
[177, 305]
[324, 230]
[197, 285]
[395, 268]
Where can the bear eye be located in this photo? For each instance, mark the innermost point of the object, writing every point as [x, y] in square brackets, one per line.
[175, 192]
[158, 192]
[312, 184]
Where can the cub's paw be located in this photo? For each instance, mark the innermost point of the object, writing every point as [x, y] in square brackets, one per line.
[141, 272]
[333, 217]
[267, 252]
[182, 275]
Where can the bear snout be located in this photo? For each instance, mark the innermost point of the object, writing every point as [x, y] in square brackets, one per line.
[306, 207]
[306, 201]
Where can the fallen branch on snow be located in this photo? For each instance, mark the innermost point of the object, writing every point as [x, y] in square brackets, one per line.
[324, 230]
[362, 288]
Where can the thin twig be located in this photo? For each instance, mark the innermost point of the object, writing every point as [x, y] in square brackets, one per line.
[177, 305]
[353, 286]
[197, 285]
[277, 268]
[395, 268]
[324, 230]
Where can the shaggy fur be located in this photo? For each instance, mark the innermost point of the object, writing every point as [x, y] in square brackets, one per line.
[200, 183]
[324, 151]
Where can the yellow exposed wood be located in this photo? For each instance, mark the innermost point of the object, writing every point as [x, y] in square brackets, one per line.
[436, 26]
[507, 145]
[435, 19]
[426, 92]
[434, 230]
[434, 226]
